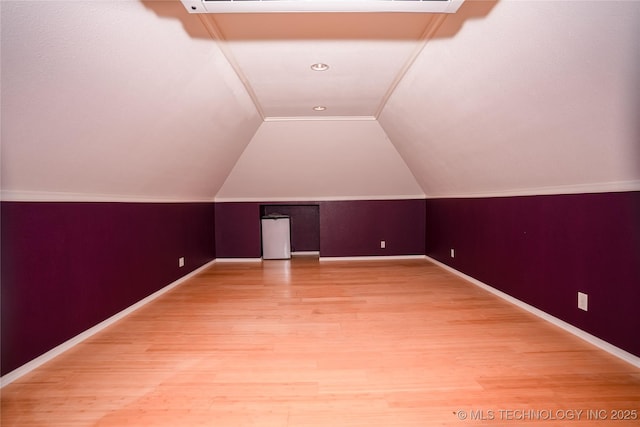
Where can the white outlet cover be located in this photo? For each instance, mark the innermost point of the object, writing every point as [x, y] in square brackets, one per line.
[383, 244]
[583, 301]
[453, 253]
[181, 262]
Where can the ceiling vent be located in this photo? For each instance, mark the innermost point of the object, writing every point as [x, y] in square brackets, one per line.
[264, 6]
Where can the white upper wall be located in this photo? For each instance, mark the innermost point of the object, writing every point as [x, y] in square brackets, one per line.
[110, 100]
[317, 160]
[536, 97]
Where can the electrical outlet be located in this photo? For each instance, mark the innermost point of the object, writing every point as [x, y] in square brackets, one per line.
[453, 253]
[181, 261]
[583, 301]
[383, 244]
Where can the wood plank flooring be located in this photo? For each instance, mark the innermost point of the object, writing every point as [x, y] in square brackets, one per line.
[303, 343]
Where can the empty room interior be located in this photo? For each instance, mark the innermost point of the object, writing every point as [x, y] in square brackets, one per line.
[320, 213]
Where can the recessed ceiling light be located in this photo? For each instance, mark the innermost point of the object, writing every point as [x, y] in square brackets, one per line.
[319, 108]
[319, 67]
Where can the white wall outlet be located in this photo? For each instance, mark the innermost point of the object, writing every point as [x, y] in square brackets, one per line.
[583, 301]
[383, 244]
[453, 253]
[181, 261]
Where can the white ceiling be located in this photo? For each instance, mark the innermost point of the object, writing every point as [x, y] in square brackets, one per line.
[139, 100]
[367, 55]
[108, 101]
[536, 97]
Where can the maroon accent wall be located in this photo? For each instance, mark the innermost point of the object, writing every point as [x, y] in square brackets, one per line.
[68, 266]
[544, 249]
[238, 230]
[355, 228]
[347, 228]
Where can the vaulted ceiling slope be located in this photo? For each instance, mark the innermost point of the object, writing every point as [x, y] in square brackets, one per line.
[108, 100]
[535, 97]
[319, 160]
[139, 100]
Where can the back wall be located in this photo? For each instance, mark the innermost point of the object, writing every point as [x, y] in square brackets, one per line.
[348, 228]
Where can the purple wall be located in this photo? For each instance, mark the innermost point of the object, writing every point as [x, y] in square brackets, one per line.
[238, 230]
[68, 266]
[347, 228]
[544, 249]
[355, 228]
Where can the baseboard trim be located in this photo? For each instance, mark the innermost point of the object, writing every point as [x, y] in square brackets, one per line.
[591, 339]
[370, 258]
[56, 351]
[305, 253]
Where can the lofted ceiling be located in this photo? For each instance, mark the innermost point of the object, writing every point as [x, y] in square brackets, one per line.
[140, 100]
[367, 54]
[536, 97]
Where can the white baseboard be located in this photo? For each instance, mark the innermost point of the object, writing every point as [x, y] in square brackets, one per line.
[305, 253]
[370, 258]
[56, 351]
[40, 360]
[591, 339]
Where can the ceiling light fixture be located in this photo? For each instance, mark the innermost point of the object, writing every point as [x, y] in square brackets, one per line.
[319, 108]
[319, 67]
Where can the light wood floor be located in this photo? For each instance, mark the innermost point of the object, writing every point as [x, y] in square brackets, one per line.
[302, 343]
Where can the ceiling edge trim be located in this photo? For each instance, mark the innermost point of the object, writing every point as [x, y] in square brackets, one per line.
[213, 29]
[315, 6]
[42, 196]
[428, 33]
[606, 187]
[319, 118]
[318, 199]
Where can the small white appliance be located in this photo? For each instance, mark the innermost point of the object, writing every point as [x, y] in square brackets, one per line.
[276, 237]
